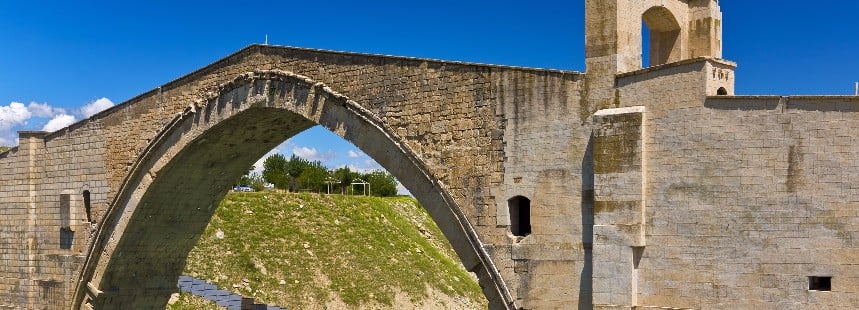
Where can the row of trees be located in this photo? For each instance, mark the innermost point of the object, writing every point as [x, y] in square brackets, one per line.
[298, 174]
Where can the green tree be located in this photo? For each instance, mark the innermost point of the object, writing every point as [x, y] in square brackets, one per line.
[344, 177]
[313, 177]
[382, 183]
[275, 171]
[294, 167]
[4, 148]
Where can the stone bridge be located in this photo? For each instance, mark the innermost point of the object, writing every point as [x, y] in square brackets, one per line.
[626, 186]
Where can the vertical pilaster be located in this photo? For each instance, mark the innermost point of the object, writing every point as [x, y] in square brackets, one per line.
[618, 153]
[32, 143]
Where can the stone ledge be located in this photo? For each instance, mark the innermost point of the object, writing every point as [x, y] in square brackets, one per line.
[616, 111]
[771, 102]
[681, 63]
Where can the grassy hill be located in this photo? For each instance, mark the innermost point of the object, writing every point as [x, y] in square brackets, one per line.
[310, 251]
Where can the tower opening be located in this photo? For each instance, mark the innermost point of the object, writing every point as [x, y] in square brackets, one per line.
[661, 43]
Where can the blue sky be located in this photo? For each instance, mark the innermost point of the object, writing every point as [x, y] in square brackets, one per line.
[60, 61]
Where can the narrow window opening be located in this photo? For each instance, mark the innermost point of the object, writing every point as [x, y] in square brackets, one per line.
[65, 211]
[87, 206]
[722, 91]
[520, 216]
[819, 283]
[66, 233]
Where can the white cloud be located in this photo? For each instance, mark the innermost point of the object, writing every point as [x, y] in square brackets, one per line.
[16, 117]
[44, 110]
[353, 154]
[305, 152]
[59, 122]
[12, 117]
[13, 114]
[312, 154]
[94, 107]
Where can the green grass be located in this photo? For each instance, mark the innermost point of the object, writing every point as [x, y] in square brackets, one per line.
[300, 250]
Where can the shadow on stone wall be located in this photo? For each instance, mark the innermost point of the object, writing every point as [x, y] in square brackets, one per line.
[586, 278]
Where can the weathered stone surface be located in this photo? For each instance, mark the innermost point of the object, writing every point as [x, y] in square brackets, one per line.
[646, 189]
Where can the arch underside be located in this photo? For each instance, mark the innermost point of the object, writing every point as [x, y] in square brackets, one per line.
[137, 258]
[179, 203]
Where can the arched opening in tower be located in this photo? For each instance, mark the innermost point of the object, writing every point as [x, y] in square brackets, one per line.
[660, 37]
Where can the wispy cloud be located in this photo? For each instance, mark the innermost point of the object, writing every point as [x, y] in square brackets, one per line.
[353, 154]
[44, 110]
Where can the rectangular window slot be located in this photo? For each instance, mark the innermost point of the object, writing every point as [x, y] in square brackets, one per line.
[65, 212]
[820, 283]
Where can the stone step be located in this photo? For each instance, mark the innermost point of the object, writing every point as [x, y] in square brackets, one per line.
[223, 298]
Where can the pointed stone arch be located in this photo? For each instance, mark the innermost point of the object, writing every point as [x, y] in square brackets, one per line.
[147, 233]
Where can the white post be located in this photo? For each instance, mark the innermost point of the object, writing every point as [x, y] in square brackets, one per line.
[856, 89]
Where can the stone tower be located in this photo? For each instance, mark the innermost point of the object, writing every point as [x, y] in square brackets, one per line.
[684, 36]
[679, 30]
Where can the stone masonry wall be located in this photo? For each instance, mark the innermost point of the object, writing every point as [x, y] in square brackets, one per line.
[544, 147]
[451, 114]
[40, 258]
[747, 198]
[742, 198]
